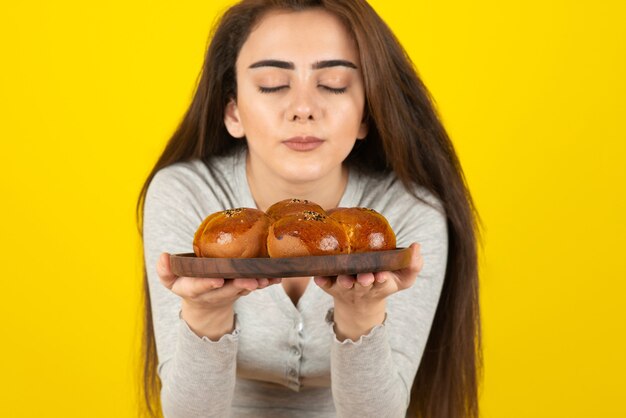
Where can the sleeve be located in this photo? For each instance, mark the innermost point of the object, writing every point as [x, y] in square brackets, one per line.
[374, 375]
[197, 375]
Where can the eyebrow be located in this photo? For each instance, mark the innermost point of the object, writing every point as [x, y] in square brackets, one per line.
[287, 65]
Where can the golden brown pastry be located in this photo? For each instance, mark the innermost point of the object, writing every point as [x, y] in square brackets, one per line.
[233, 233]
[367, 229]
[292, 206]
[292, 228]
[306, 233]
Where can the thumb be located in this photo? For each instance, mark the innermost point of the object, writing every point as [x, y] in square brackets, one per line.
[164, 271]
[416, 258]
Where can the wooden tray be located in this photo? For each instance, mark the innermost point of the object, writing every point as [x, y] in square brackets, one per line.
[189, 265]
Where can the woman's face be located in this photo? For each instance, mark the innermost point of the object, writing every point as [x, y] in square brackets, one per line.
[300, 96]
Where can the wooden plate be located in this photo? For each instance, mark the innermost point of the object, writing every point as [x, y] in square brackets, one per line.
[189, 265]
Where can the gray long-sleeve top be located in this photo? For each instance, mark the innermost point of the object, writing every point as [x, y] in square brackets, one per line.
[284, 360]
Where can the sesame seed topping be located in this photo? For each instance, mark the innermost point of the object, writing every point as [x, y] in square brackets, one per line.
[309, 215]
[232, 212]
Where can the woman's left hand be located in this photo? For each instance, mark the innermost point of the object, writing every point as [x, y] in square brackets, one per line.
[360, 300]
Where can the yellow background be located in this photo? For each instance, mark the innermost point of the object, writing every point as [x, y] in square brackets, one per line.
[533, 95]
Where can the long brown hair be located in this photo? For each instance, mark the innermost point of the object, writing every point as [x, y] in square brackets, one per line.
[405, 136]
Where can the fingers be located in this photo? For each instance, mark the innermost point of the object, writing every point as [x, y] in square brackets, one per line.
[345, 281]
[266, 282]
[417, 261]
[166, 276]
[254, 284]
[194, 285]
[421, 263]
[365, 279]
[348, 282]
[361, 279]
[404, 278]
[197, 287]
[243, 292]
[324, 282]
[382, 276]
[374, 285]
[248, 284]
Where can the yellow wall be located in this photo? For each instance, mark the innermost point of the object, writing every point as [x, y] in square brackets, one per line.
[532, 92]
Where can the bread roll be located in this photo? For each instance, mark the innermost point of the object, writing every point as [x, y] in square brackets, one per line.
[233, 233]
[292, 206]
[292, 228]
[367, 229]
[306, 233]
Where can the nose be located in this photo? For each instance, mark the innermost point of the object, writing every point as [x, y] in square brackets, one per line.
[303, 108]
[300, 115]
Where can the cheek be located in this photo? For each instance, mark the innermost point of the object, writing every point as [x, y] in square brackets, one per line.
[257, 119]
[255, 109]
[349, 116]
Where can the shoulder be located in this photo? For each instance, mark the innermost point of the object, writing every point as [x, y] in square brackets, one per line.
[184, 193]
[173, 178]
[386, 192]
[193, 174]
[171, 205]
[214, 183]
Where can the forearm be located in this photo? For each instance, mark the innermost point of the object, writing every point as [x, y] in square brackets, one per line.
[365, 379]
[199, 380]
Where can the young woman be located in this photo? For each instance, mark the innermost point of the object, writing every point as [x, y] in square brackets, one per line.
[313, 100]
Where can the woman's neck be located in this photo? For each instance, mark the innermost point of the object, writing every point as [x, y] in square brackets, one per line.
[267, 189]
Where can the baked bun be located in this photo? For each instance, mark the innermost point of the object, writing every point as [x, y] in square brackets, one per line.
[306, 233]
[367, 229]
[233, 233]
[292, 206]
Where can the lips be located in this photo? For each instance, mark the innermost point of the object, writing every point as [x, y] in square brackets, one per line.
[303, 143]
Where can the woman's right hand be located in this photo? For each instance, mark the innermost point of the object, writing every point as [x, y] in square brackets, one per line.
[207, 303]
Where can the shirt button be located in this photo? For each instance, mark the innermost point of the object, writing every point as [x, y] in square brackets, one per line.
[300, 326]
[293, 373]
[295, 351]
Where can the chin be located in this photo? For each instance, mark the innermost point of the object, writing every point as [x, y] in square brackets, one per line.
[302, 173]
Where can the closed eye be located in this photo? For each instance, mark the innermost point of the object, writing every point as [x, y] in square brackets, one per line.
[271, 89]
[279, 88]
[334, 90]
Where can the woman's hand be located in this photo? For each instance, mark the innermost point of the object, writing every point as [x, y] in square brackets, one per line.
[360, 300]
[207, 303]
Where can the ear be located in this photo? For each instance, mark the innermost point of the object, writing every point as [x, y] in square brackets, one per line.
[233, 121]
[363, 129]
